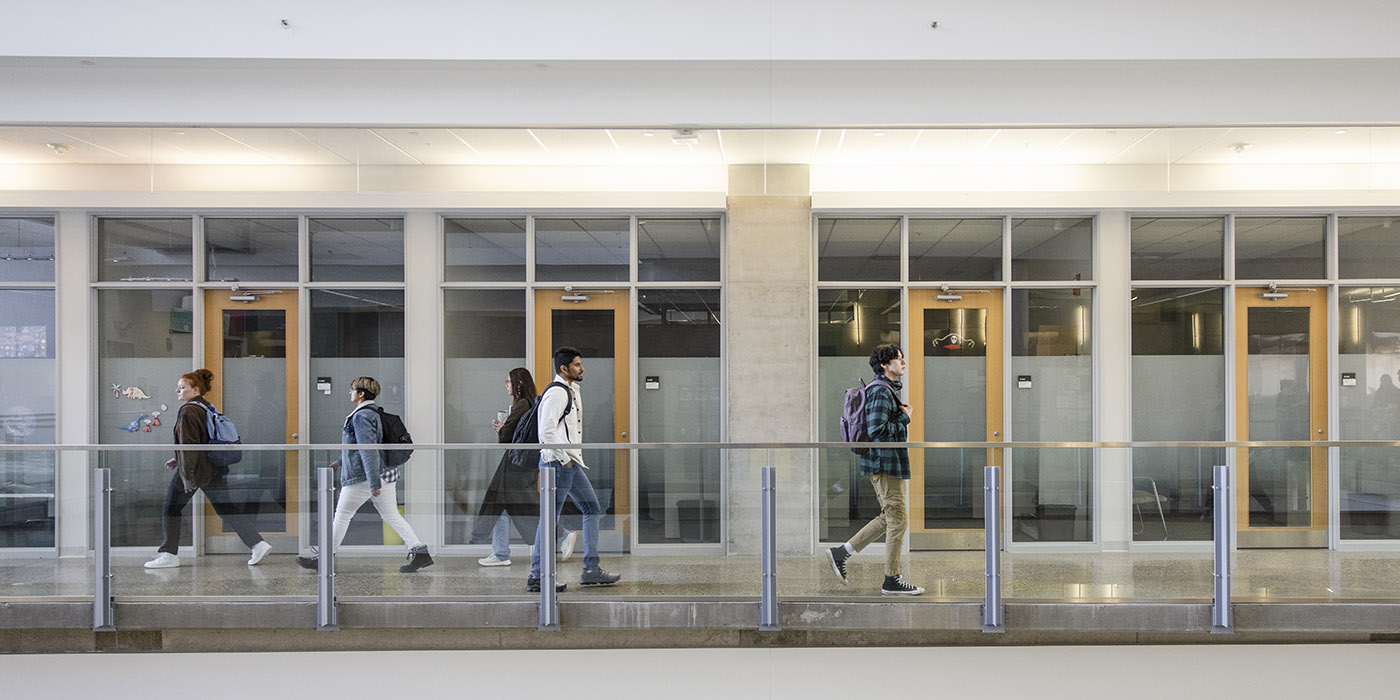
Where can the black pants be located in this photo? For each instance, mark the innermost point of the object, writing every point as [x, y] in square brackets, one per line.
[233, 514]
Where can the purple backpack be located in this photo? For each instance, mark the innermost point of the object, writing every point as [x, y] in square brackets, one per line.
[853, 415]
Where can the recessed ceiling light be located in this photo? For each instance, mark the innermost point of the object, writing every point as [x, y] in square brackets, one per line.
[879, 133]
[178, 133]
[59, 148]
[648, 133]
[1241, 147]
[1341, 131]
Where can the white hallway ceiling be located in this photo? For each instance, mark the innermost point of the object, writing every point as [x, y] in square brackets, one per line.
[52, 145]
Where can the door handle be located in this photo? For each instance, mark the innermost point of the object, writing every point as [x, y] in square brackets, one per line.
[996, 433]
[1319, 431]
[624, 433]
[296, 436]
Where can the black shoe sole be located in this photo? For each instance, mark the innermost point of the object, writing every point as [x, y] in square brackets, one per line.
[409, 568]
[305, 563]
[596, 584]
[557, 589]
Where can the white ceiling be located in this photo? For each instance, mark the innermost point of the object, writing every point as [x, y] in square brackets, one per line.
[411, 147]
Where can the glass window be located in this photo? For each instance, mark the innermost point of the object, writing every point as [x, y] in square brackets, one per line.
[28, 382]
[1052, 400]
[251, 250]
[1369, 361]
[144, 344]
[484, 339]
[1178, 395]
[484, 250]
[582, 250]
[1052, 249]
[26, 250]
[678, 250]
[850, 323]
[1368, 246]
[679, 492]
[858, 250]
[954, 250]
[145, 249]
[1270, 248]
[1178, 248]
[355, 333]
[356, 250]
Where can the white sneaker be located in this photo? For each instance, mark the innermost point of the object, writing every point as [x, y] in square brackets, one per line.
[260, 550]
[493, 560]
[164, 560]
[566, 548]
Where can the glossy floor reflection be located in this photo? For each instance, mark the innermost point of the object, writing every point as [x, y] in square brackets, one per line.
[1259, 575]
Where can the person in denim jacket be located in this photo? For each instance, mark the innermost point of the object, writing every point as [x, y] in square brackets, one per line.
[365, 477]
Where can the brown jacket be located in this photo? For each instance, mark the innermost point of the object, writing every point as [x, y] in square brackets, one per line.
[191, 428]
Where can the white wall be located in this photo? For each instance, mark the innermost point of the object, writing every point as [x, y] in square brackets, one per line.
[717, 30]
[986, 673]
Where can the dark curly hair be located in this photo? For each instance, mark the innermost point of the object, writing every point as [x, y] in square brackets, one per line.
[882, 355]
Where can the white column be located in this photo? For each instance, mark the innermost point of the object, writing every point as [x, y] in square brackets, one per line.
[423, 373]
[76, 354]
[1114, 355]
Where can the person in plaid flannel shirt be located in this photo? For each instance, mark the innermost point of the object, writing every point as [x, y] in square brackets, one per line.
[886, 420]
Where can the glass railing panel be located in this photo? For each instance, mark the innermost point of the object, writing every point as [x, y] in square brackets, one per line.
[29, 507]
[159, 525]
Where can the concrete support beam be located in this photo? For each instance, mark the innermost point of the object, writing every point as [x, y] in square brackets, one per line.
[768, 326]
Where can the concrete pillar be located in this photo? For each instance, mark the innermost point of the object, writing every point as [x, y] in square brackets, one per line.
[75, 352]
[1115, 408]
[770, 354]
[423, 381]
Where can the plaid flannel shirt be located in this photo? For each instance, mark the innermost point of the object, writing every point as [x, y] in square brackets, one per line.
[885, 422]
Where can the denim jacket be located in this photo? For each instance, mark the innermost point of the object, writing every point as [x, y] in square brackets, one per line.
[362, 427]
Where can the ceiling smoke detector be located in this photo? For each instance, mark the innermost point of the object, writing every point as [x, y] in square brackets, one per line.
[684, 136]
[59, 148]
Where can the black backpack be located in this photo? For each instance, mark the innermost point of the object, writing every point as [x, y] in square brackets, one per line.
[527, 431]
[394, 433]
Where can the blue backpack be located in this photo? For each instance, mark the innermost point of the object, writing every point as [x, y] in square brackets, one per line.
[221, 432]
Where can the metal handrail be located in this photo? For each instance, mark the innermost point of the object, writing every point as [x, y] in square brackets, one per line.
[490, 446]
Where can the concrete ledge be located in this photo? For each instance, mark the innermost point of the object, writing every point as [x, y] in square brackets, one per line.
[1376, 618]
[1285, 619]
[45, 614]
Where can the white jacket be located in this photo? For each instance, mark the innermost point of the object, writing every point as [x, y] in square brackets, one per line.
[554, 431]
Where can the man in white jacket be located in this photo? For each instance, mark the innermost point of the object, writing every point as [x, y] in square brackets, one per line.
[560, 416]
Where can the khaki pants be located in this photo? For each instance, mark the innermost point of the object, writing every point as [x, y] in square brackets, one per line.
[892, 521]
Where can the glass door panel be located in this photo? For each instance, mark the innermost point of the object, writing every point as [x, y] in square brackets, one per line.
[598, 326]
[1281, 353]
[955, 374]
[251, 348]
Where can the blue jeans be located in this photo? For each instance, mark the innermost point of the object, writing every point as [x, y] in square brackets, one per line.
[573, 482]
[500, 536]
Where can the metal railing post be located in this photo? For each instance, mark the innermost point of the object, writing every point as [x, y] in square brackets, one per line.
[768, 619]
[992, 608]
[103, 606]
[1221, 620]
[549, 598]
[327, 617]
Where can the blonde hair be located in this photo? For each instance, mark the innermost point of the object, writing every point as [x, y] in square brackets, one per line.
[369, 385]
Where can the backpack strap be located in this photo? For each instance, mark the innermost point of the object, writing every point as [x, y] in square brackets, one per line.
[567, 406]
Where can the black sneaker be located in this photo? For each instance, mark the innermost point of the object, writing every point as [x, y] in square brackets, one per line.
[896, 585]
[597, 577]
[532, 585]
[312, 559]
[837, 556]
[417, 559]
